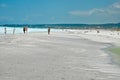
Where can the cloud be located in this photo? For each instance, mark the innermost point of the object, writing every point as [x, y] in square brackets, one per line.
[79, 13]
[110, 10]
[107, 14]
[114, 9]
[116, 5]
[96, 11]
[86, 13]
[3, 5]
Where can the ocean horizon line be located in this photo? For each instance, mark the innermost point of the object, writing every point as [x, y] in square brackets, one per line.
[64, 26]
[57, 23]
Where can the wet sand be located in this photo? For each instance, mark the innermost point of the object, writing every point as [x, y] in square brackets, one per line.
[59, 56]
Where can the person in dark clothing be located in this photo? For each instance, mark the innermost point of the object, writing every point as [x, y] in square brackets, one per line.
[25, 29]
[48, 30]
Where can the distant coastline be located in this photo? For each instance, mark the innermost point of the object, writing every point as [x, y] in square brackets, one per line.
[67, 26]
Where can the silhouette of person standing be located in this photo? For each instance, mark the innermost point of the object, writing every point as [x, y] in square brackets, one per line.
[14, 31]
[48, 30]
[25, 29]
[5, 30]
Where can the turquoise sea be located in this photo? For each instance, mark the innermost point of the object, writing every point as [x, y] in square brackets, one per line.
[19, 30]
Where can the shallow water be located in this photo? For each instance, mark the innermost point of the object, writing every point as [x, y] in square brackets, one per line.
[115, 51]
[20, 30]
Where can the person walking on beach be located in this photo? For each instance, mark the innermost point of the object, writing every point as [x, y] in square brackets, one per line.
[5, 30]
[25, 29]
[14, 31]
[48, 30]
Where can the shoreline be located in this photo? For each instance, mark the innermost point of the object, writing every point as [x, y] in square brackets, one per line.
[112, 55]
[116, 57]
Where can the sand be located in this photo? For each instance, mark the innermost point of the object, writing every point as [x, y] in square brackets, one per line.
[67, 55]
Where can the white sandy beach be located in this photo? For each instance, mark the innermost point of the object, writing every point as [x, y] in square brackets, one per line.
[67, 55]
